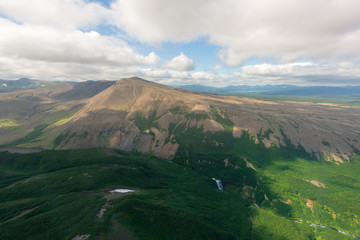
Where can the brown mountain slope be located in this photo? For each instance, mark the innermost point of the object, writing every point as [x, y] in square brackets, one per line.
[22, 111]
[135, 114]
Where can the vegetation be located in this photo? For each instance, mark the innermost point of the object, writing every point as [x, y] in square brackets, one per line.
[196, 116]
[63, 189]
[36, 132]
[264, 135]
[9, 125]
[271, 193]
[63, 121]
[227, 124]
[192, 115]
[287, 182]
[180, 201]
[146, 123]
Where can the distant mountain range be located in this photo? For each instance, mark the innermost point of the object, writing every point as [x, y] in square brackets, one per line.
[284, 89]
[25, 83]
[270, 90]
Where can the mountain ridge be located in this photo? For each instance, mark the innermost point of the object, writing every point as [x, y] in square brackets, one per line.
[135, 114]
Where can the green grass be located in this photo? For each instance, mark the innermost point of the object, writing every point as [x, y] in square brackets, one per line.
[6, 123]
[281, 175]
[196, 116]
[337, 205]
[172, 201]
[35, 133]
[10, 125]
[267, 225]
[264, 135]
[178, 200]
[177, 110]
[144, 123]
[227, 124]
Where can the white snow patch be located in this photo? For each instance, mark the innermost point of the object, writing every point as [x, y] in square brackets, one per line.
[81, 237]
[122, 190]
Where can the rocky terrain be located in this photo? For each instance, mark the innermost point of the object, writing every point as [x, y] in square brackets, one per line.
[134, 114]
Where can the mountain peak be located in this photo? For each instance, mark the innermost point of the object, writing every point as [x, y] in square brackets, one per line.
[136, 81]
[136, 94]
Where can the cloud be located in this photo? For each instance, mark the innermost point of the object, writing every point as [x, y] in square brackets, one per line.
[68, 14]
[285, 30]
[303, 73]
[14, 68]
[60, 39]
[43, 43]
[181, 63]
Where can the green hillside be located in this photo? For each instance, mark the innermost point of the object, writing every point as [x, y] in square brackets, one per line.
[59, 194]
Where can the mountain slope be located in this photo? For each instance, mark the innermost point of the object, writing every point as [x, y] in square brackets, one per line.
[290, 162]
[25, 83]
[134, 114]
[29, 112]
[351, 92]
[137, 114]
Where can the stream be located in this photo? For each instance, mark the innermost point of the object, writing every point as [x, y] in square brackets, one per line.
[323, 226]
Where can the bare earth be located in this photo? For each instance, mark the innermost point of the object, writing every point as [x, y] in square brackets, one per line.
[316, 183]
[21, 214]
[19, 150]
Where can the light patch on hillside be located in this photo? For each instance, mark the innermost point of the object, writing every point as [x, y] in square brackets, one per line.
[249, 164]
[310, 204]
[4, 123]
[334, 158]
[63, 121]
[316, 183]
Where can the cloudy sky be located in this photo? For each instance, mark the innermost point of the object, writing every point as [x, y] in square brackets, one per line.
[209, 42]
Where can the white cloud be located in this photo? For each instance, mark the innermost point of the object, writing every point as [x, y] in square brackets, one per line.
[60, 13]
[14, 68]
[284, 29]
[303, 73]
[55, 39]
[181, 63]
[42, 43]
[159, 20]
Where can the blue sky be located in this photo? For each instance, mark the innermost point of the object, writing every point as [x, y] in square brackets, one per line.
[207, 42]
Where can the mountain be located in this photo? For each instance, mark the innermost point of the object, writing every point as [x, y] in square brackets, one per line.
[330, 92]
[288, 170]
[282, 90]
[25, 83]
[134, 114]
[231, 89]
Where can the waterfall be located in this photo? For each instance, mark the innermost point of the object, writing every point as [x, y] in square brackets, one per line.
[218, 184]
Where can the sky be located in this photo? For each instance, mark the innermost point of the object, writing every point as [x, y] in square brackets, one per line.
[207, 42]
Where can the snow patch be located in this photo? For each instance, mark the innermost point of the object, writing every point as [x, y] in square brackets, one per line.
[81, 237]
[122, 190]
